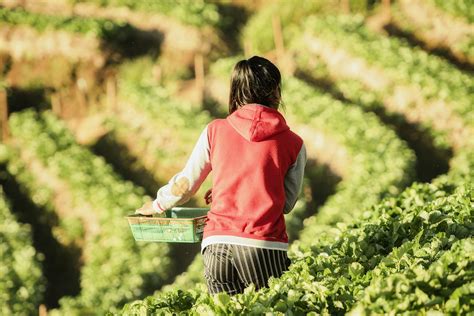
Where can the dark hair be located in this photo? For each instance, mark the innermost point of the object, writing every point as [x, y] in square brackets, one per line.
[255, 80]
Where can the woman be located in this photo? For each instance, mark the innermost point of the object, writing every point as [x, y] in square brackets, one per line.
[258, 165]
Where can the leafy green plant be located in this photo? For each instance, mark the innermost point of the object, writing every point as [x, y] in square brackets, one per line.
[330, 277]
[444, 285]
[362, 141]
[22, 284]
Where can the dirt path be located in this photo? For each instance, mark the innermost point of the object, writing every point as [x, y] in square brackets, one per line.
[24, 42]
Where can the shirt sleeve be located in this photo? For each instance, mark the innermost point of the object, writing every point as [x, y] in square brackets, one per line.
[294, 180]
[184, 184]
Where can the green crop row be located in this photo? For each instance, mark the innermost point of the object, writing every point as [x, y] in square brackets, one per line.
[330, 277]
[423, 285]
[433, 77]
[105, 30]
[66, 230]
[22, 284]
[371, 100]
[453, 133]
[41, 195]
[193, 12]
[406, 226]
[168, 117]
[428, 32]
[377, 155]
[258, 32]
[117, 269]
[460, 8]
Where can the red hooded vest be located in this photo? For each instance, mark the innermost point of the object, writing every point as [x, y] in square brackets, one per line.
[250, 151]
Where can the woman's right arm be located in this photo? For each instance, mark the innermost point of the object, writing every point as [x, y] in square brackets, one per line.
[184, 184]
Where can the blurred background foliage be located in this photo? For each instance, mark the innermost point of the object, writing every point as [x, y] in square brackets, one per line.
[101, 102]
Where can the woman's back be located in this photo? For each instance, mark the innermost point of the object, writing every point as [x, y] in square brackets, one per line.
[250, 152]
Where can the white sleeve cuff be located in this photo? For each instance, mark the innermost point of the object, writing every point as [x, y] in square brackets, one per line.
[157, 207]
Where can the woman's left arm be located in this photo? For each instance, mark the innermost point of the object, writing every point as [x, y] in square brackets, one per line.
[184, 185]
[294, 180]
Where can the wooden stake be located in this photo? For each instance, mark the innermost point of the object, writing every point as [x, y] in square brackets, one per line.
[345, 6]
[4, 115]
[42, 310]
[61, 110]
[248, 49]
[111, 93]
[387, 7]
[199, 73]
[80, 91]
[56, 105]
[157, 73]
[278, 37]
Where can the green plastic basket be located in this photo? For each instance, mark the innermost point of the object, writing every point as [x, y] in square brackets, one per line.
[181, 224]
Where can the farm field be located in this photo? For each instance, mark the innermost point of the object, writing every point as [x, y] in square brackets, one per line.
[101, 103]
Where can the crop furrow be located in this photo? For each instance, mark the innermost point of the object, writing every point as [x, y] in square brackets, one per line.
[53, 236]
[439, 33]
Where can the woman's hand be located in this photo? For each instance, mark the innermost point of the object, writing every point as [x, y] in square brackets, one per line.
[146, 209]
[208, 196]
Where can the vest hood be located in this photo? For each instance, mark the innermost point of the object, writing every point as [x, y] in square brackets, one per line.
[257, 122]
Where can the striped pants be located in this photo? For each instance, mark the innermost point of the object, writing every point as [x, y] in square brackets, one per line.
[231, 268]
